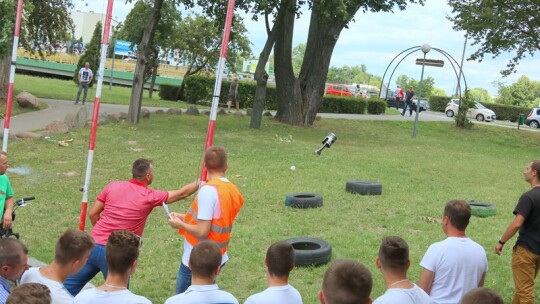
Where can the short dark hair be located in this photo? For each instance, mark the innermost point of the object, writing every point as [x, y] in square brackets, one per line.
[482, 295]
[394, 253]
[280, 259]
[71, 245]
[535, 165]
[30, 293]
[347, 282]
[205, 258]
[122, 250]
[215, 159]
[140, 167]
[459, 213]
[11, 251]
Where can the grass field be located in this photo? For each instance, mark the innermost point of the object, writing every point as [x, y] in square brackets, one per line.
[418, 175]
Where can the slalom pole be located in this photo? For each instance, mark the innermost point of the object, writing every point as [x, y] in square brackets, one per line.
[95, 115]
[12, 74]
[219, 76]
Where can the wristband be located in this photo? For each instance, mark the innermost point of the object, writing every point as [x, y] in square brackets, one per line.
[501, 242]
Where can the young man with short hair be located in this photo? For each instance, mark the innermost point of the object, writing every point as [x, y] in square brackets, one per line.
[210, 216]
[279, 261]
[393, 261]
[122, 253]
[457, 264]
[30, 293]
[204, 262]
[71, 253]
[346, 282]
[13, 261]
[482, 295]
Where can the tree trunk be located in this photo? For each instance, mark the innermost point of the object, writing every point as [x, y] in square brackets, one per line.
[322, 37]
[143, 54]
[5, 66]
[287, 89]
[261, 77]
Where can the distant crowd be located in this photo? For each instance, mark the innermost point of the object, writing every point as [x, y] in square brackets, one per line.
[453, 270]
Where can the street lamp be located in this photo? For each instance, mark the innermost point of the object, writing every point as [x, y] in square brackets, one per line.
[425, 49]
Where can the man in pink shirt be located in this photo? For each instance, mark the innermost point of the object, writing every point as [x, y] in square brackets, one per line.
[123, 205]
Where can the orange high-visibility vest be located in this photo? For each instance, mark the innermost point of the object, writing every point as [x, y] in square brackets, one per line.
[230, 201]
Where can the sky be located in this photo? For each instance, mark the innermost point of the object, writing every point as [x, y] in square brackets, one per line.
[374, 39]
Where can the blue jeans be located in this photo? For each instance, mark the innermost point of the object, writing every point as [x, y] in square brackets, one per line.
[407, 104]
[183, 278]
[96, 263]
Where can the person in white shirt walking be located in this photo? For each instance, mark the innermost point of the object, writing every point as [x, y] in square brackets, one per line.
[279, 262]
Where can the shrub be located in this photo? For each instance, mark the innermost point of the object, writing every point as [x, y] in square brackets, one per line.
[506, 112]
[338, 104]
[169, 92]
[376, 105]
[438, 103]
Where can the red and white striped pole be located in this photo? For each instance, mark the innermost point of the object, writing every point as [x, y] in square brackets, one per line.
[219, 77]
[93, 130]
[12, 74]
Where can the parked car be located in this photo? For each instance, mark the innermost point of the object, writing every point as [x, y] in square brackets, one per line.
[392, 103]
[338, 90]
[479, 112]
[533, 119]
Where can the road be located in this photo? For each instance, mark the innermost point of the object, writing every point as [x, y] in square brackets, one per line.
[58, 109]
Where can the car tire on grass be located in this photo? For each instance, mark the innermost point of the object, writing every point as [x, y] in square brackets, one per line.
[310, 251]
[449, 113]
[304, 200]
[480, 117]
[534, 124]
[364, 187]
[482, 209]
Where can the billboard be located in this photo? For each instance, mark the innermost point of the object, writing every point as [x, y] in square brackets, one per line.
[123, 48]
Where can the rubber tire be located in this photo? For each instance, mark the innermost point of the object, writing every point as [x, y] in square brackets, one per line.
[450, 113]
[534, 124]
[304, 200]
[363, 187]
[482, 209]
[480, 117]
[311, 251]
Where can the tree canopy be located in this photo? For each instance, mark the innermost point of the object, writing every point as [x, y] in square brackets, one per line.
[498, 26]
[524, 93]
[427, 85]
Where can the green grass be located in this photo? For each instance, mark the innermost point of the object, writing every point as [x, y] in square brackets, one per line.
[418, 175]
[67, 90]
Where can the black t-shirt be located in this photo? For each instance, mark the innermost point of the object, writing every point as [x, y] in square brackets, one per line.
[529, 207]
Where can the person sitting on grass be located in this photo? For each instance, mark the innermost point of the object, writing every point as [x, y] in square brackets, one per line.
[30, 293]
[393, 261]
[13, 262]
[71, 253]
[346, 282]
[279, 261]
[122, 253]
[204, 262]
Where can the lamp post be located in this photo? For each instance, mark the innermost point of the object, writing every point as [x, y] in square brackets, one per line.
[425, 49]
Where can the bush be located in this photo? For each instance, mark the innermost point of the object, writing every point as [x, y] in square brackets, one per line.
[339, 104]
[376, 105]
[506, 112]
[438, 103]
[169, 92]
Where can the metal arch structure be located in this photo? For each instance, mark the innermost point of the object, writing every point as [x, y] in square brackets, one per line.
[414, 49]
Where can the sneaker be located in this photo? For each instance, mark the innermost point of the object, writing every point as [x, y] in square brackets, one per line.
[76, 102]
[402, 114]
[83, 103]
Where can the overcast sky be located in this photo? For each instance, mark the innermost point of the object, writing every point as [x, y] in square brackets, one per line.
[374, 39]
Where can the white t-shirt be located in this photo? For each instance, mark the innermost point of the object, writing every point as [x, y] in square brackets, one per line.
[59, 294]
[198, 294]
[458, 264]
[278, 294]
[415, 295]
[85, 74]
[208, 208]
[93, 295]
